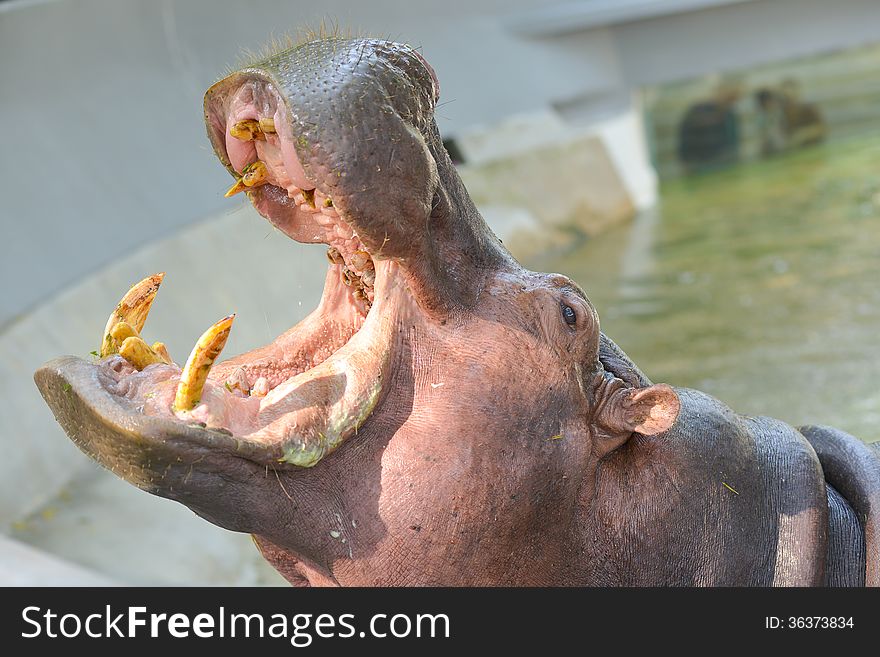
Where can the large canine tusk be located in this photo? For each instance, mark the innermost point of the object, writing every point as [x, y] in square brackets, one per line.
[199, 363]
[133, 310]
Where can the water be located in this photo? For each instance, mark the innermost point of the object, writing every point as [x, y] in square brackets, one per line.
[759, 285]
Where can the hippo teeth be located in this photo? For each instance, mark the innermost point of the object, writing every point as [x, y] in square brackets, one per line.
[295, 413]
[253, 129]
[122, 336]
[133, 349]
[267, 125]
[235, 188]
[253, 175]
[198, 365]
[248, 130]
[139, 353]
[132, 310]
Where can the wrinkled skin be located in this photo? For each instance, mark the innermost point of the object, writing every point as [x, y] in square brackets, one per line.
[501, 438]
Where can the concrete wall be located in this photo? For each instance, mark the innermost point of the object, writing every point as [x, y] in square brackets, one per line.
[542, 184]
[111, 141]
[107, 94]
[740, 35]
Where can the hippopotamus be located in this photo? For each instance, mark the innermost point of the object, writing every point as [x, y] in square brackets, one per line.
[444, 416]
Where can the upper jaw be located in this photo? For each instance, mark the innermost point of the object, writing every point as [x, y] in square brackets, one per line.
[350, 120]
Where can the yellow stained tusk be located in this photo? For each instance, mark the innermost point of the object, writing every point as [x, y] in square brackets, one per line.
[237, 186]
[267, 125]
[133, 310]
[198, 365]
[138, 353]
[255, 174]
[309, 196]
[247, 130]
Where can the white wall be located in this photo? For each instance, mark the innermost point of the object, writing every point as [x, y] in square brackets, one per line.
[741, 35]
[110, 150]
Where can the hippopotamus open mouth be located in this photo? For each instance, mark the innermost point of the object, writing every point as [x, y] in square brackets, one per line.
[444, 416]
[326, 160]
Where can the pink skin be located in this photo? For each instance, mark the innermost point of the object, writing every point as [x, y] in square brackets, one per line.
[318, 223]
[277, 151]
[452, 379]
[360, 366]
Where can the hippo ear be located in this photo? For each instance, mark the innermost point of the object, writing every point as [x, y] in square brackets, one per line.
[647, 411]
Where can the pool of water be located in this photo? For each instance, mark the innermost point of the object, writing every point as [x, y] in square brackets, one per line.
[759, 284]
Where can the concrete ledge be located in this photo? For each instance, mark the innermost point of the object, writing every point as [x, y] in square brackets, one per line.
[546, 196]
[23, 565]
[571, 17]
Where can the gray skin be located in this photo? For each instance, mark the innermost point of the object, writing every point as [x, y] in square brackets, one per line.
[546, 457]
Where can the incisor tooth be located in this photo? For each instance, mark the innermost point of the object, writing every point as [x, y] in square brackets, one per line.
[122, 331]
[198, 365]
[247, 130]
[162, 350]
[253, 175]
[138, 353]
[267, 125]
[133, 310]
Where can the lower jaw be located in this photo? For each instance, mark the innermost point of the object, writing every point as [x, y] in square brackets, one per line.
[310, 414]
[315, 403]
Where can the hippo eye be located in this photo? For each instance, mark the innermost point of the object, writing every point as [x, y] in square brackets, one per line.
[569, 315]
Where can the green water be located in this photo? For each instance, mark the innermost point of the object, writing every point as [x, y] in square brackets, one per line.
[759, 285]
